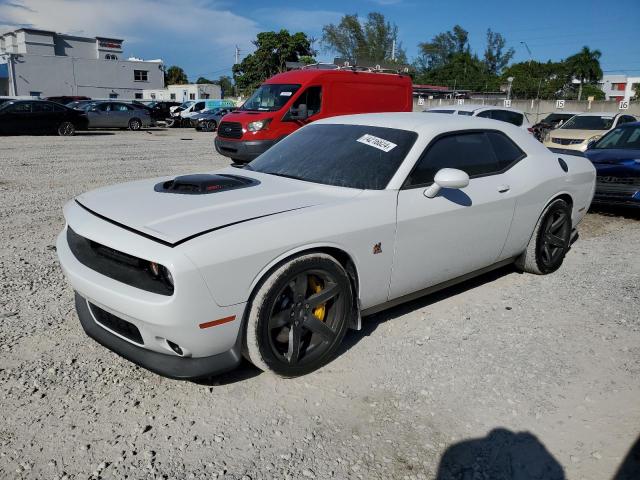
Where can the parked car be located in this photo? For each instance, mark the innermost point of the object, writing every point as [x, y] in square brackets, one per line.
[117, 115]
[182, 118]
[616, 157]
[290, 100]
[40, 116]
[577, 132]
[80, 104]
[209, 121]
[65, 100]
[345, 217]
[548, 123]
[159, 110]
[509, 115]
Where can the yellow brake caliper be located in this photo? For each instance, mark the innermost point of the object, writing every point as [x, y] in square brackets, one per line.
[316, 287]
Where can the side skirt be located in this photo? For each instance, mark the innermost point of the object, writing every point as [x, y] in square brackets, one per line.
[434, 288]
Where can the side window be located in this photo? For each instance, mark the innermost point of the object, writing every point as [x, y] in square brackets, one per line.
[120, 107]
[42, 107]
[312, 98]
[485, 114]
[464, 112]
[505, 150]
[59, 108]
[24, 107]
[514, 118]
[198, 107]
[105, 107]
[469, 152]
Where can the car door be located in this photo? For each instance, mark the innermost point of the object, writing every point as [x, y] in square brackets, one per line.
[120, 115]
[17, 118]
[44, 118]
[457, 231]
[100, 115]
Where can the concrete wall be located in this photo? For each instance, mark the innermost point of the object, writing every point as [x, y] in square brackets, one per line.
[57, 75]
[538, 109]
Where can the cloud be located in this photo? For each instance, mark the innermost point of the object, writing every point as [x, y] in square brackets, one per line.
[196, 34]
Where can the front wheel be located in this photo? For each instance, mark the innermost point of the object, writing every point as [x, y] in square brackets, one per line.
[550, 240]
[299, 316]
[135, 124]
[66, 129]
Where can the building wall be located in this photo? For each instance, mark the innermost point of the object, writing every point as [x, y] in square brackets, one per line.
[610, 85]
[58, 75]
[182, 93]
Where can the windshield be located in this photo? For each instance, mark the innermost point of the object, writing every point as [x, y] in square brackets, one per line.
[270, 97]
[359, 156]
[620, 138]
[186, 105]
[588, 122]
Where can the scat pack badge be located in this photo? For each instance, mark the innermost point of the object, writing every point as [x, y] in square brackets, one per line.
[377, 248]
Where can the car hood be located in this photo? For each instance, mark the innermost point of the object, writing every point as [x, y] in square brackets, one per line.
[173, 218]
[575, 134]
[612, 155]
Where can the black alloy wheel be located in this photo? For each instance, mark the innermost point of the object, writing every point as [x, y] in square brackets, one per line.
[300, 316]
[135, 124]
[66, 129]
[554, 237]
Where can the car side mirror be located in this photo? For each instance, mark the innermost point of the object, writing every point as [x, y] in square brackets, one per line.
[300, 113]
[447, 178]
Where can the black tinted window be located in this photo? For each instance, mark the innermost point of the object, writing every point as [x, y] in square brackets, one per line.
[505, 150]
[23, 107]
[355, 156]
[42, 107]
[505, 116]
[469, 152]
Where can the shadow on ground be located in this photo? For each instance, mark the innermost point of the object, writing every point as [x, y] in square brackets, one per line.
[632, 213]
[369, 324]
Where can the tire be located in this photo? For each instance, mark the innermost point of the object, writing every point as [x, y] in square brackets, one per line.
[135, 124]
[66, 129]
[284, 333]
[171, 122]
[550, 240]
[212, 126]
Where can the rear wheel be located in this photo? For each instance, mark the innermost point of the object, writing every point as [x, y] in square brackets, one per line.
[135, 124]
[209, 126]
[299, 316]
[550, 240]
[66, 129]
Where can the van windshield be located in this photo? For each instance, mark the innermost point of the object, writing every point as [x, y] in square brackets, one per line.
[270, 97]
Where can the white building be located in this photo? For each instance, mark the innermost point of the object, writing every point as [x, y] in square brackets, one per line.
[620, 87]
[41, 63]
[182, 93]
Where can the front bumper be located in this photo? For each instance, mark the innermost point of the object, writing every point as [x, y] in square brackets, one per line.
[163, 364]
[242, 151]
[614, 194]
[160, 320]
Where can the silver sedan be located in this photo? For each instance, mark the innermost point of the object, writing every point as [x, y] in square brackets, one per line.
[117, 115]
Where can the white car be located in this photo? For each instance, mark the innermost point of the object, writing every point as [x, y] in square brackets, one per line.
[509, 115]
[582, 129]
[343, 218]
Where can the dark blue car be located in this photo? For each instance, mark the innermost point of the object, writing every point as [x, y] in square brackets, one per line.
[616, 157]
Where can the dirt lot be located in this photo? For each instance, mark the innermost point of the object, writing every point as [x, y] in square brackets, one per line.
[542, 372]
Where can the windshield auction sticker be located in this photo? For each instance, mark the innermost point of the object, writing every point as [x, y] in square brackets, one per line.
[285, 94]
[377, 142]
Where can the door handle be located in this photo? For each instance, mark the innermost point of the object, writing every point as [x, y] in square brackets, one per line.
[504, 188]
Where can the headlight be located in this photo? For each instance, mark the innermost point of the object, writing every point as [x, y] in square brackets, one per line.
[258, 125]
[547, 136]
[160, 272]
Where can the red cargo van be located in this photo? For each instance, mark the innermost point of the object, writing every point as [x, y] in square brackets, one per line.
[289, 100]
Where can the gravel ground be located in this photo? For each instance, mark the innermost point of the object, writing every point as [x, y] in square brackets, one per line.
[507, 373]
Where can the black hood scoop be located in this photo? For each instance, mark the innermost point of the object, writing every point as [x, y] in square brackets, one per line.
[204, 183]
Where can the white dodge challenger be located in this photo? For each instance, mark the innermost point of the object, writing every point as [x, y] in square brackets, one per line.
[343, 218]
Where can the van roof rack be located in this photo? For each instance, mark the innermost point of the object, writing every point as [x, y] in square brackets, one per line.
[342, 64]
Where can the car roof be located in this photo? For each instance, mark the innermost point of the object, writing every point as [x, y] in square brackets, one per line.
[420, 123]
[597, 114]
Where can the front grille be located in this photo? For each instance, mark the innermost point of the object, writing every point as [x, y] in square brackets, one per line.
[230, 130]
[117, 265]
[566, 141]
[619, 180]
[116, 324]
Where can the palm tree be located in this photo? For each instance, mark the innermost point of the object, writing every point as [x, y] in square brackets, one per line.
[585, 66]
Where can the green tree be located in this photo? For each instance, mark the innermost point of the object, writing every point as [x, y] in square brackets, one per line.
[273, 50]
[585, 66]
[226, 85]
[204, 80]
[307, 59]
[175, 76]
[462, 71]
[538, 80]
[496, 57]
[375, 40]
[442, 48]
